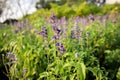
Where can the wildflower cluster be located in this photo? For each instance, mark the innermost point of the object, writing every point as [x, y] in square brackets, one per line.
[21, 26]
[75, 32]
[58, 29]
[66, 49]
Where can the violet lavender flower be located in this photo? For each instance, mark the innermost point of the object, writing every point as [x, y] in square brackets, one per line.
[43, 32]
[63, 21]
[57, 32]
[77, 19]
[21, 26]
[10, 55]
[91, 18]
[56, 37]
[53, 19]
[60, 47]
[57, 44]
[75, 33]
[54, 27]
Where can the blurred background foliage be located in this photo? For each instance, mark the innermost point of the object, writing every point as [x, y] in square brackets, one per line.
[75, 8]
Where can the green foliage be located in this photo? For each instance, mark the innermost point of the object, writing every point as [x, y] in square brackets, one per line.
[118, 74]
[78, 9]
[5, 35]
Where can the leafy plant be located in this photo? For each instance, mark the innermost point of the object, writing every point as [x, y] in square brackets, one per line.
[48, 48]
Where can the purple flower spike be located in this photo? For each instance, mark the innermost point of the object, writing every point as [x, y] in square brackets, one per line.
[78, 37]
[53, 18]
[56, 37]
[54, 28]
[57, 30]
[63, 20]
[60, 48]
[63, 51]
[77, 19]
[57, 44]
[91, 17]
[10, 55]
[43, 32]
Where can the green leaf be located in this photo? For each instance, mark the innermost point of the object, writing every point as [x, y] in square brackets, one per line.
[118, 74]
[72, 76]
[67, 65]
[80, 67]
[44, 74]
